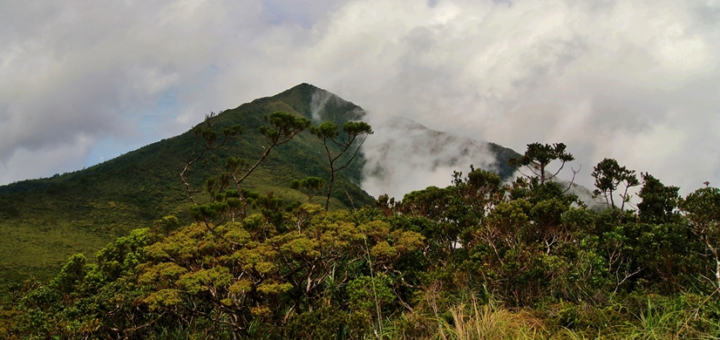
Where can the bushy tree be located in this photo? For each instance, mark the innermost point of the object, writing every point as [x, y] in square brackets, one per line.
[702, 210]
[310, 186]
[658, 201]
[608, 176]
[538, 156]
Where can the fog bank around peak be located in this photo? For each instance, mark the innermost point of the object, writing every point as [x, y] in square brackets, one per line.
[404, 156]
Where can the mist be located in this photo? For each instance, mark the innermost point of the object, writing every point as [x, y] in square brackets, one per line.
[404, 156]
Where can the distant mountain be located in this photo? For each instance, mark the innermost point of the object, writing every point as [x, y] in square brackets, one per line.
[46, 220]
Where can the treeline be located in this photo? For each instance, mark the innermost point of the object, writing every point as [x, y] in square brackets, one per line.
[479, 259]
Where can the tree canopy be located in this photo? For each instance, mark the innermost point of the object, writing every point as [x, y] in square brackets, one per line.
[438, 263]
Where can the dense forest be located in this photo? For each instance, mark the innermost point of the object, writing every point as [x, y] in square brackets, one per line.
[479, 259]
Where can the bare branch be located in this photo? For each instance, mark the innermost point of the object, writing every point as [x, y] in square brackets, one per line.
[572, 181]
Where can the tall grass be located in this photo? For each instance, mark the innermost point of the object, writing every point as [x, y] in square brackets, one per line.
[489, 321]
[642, 317]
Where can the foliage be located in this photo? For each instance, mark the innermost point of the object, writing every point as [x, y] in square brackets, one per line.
[309, 186]
[229, 281]
[702, 210]
[658, 201]
[45, 221]
[608, 176]
[329, 135]
[538, 156]
[478, 259]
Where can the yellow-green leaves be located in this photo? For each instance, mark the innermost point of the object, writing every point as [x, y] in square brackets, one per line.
[383, 250]
[260, 259]
[408, 241]
[376, 229]
[264, 267]
[390, 244]
[240, 287]
[302, 246]
[161, 271]
[240, 272]
[510, 216]
[402, 243]
[274, 288]
[205, 279]
[163, 298]
[236, 233]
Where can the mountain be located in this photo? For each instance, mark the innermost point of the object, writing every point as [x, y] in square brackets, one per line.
[44, 221]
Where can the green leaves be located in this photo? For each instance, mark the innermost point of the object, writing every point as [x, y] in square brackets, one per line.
[205, 279]
[608, 175]
[310, 186]
[330, 137]
[658, 201]
[164, 298]
[326, 130]
[538, 156]
[330, 130]
[702, 208]
[369, 294]
[71, 275]
[357, 128]
[208, 211]
[281, 127]
[166, 225]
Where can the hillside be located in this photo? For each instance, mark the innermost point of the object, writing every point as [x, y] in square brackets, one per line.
[46, 220]
[480, 259]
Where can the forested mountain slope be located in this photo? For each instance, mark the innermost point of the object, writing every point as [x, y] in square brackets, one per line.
[44, 221]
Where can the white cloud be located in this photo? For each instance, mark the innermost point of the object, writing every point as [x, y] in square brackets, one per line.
[637, 81]
[44, 162]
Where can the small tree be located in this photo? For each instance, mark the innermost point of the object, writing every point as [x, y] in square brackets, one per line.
[279, 128]
[205, 132]
[608, 176]
[329, 134]
[166, 225]
[658, 201]
[309, 186]
[538, 156]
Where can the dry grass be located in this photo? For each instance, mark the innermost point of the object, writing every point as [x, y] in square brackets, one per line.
[490, 321]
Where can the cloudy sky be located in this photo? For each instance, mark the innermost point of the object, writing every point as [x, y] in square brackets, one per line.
[638, 81]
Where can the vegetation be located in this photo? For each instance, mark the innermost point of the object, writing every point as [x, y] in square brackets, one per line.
[479, 259]
[46, 221]
[329, 135]
[538, 157]
[237, 256]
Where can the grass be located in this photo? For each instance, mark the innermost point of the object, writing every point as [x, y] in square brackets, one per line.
[640, 316]
[489, 321]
